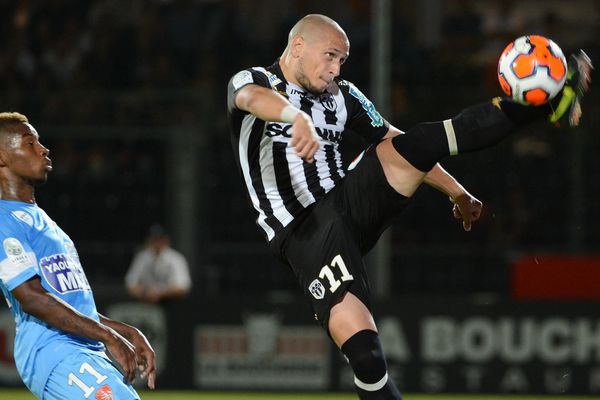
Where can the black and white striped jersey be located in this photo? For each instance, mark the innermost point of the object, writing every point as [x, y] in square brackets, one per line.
[279, 183]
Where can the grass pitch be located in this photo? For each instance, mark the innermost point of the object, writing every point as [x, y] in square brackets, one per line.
[19, 394]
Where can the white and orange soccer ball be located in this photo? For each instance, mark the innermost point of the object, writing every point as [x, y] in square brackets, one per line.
[532, 69]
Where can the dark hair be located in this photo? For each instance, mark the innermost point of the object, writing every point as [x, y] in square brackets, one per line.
[157, 231]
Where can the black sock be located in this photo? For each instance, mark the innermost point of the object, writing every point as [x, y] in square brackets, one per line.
[474, 128]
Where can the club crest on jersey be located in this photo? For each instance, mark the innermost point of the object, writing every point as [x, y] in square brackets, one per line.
[328, 102]
[376, 119]
[316, 289]
[63, 273]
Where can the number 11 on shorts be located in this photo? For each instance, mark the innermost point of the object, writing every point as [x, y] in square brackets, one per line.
[327, 272]
[87, 390]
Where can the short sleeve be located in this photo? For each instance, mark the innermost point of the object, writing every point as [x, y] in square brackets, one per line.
[18, 262]
[242, 79]
[363, 118]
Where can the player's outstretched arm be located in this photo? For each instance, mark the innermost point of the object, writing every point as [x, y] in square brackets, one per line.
[36, 301]
[466, 207]
[271, 106]
[143, 349]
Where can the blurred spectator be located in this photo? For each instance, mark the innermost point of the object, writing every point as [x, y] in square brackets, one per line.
[158, 272]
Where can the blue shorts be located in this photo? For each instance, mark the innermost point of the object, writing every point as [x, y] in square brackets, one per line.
[87, 376]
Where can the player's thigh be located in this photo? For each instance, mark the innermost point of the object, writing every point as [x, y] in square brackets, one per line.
[324, 255]
[87, 376]
[349, 317]
[369, 201]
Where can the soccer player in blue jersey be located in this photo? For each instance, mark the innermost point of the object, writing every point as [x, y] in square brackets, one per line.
[62, 341]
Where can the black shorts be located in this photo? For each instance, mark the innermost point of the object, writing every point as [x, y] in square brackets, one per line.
[325, 245]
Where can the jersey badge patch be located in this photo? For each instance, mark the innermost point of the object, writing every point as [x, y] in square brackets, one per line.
[367, 105]
[316, 289]
[17, 259]
[273, 79]
[13, 247]
[241, 79]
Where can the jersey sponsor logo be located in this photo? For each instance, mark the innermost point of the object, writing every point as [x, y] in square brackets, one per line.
[23, 216]
[317, 289]
[276, 129]
[63, 273]
[376, 119]
[241, 79]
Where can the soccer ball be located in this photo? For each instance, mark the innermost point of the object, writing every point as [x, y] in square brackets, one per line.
[532, 70]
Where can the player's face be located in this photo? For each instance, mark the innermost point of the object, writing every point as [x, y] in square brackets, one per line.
[24, 155]
[321, 60]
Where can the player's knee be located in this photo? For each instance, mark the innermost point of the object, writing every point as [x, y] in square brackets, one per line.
[417, 145]
[365, 355]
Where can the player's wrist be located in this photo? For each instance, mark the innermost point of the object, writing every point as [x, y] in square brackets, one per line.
[289, 113]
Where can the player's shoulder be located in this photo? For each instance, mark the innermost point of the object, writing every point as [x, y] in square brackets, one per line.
[257, 75]
[15, 219]
[348, 87]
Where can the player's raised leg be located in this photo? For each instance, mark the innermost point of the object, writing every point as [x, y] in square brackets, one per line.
[407, 158]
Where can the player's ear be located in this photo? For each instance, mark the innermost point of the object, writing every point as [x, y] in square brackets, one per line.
[297, 45]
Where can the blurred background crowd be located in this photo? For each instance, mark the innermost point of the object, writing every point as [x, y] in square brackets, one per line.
[126, 93]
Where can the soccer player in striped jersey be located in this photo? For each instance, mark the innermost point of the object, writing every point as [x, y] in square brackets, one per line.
[61, 339]
[287, 121]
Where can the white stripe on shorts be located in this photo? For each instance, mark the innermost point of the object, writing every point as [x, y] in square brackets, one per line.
[452, 146]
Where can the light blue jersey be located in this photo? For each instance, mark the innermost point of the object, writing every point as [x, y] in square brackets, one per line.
[33, 245]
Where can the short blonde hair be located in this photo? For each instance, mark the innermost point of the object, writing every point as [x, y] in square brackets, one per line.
[12, 118]
[9, 120]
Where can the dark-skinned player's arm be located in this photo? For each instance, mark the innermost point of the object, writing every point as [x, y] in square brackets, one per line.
[143, 349]
[36, 301]
[269, 105]
[466, 206]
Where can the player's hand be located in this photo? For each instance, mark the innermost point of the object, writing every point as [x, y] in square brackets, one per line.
[124, 353]
[466, 208]
[145, 356]
[304, 137]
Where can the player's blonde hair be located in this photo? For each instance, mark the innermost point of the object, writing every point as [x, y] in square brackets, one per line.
[8, 119]
[12, 118]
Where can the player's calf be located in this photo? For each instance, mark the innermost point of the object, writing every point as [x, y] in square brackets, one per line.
[371, 379]
[475, 128]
